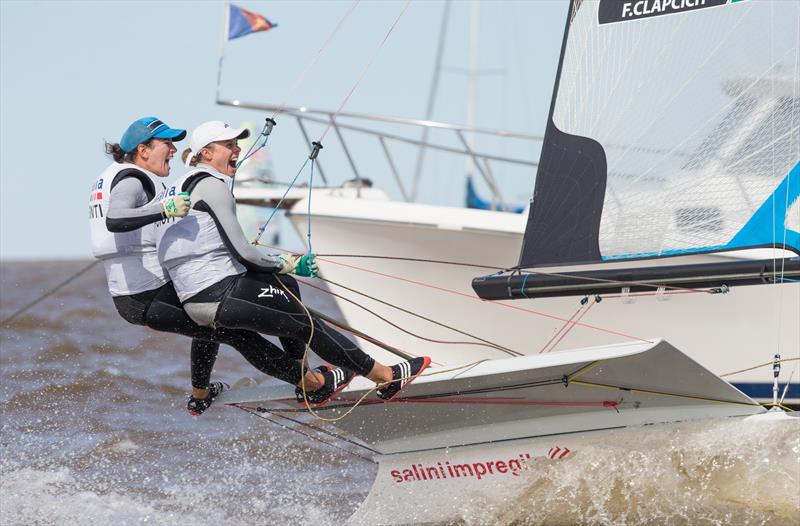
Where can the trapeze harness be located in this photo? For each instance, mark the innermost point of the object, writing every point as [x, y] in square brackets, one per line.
[224, 281]
[123, 237]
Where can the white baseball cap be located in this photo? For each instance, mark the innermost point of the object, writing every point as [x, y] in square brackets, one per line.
[213, 131]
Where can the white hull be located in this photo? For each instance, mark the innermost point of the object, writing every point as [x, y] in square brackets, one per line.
[723, 332]
[455, 436]
[441, 486]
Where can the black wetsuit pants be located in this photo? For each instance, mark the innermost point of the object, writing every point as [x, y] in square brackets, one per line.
[161, 310]
[259, 302]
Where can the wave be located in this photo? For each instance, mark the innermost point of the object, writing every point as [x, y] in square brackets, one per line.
[729, 472]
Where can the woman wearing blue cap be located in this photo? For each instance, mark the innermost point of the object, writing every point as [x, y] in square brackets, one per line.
[224, 281]
[126, 202]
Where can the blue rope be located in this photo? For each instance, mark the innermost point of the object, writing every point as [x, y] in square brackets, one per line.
[274, 210]
[790, 280]
[310, 186]
[250, 151]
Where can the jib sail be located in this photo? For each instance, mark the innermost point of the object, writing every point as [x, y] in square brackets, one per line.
[674, 129]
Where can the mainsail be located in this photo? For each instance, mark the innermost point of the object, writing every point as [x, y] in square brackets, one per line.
[674, 129]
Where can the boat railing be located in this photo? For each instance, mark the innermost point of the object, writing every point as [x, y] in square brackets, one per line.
[462, 139]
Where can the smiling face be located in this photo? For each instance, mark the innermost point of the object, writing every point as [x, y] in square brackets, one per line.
[222, 156]
[155, 155]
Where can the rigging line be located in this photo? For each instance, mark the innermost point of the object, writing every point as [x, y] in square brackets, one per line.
[369, 391]
[571, 326]
[420, 316]
[377, 342]
[770, 363]
[355, 332]
[406, 331]
[486, 343]
[546, 345]
[301, 77]
[364, 71]
[506, 305]
[419, 260]
[331, 434]
[583, 370]
[498, 267]
[455, 292]
[305, 360]
[277, 207]
[307, 435]
[310, 187]
[51, 291]
[659, 393]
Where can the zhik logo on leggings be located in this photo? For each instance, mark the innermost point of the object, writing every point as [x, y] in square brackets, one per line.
[270, 292]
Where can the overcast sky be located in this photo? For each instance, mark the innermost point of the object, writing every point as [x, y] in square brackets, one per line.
[75, 73]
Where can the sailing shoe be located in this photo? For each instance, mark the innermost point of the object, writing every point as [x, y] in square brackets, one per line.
[403, 374]
[196, 406]
[336, 379]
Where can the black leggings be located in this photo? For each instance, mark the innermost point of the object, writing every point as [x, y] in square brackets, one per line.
[258, 302]
[161, 310]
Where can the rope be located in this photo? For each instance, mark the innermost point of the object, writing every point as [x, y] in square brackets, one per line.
[406, 331]
[505, 305]
[659, 393]
[52, 291]
[571, 326]
[358, 402]
[315, 58]
[484, 342]
[364, 71]
[293, 88]
[770, 363]
[307, 435]
[546, 345]
[275, 209]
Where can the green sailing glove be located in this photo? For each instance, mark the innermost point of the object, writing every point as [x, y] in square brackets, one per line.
[177, 206]
[307, 266]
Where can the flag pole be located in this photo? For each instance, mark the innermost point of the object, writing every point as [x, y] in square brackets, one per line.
[225, 26]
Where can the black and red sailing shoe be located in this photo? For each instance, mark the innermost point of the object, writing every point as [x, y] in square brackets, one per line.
[403, 374]
[196, 406]
[336, 379]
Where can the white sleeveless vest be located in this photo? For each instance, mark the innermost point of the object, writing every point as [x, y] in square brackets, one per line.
[191, 248]
[129, 258]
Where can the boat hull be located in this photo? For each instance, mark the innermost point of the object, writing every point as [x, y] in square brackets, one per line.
[723, 332]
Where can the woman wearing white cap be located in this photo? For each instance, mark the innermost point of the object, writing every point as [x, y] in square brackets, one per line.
[224, 281]
[127, 199]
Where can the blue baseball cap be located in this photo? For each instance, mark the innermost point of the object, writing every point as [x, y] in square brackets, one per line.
[145, 129]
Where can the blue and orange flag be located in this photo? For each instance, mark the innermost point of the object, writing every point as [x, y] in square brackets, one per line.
[242, 22]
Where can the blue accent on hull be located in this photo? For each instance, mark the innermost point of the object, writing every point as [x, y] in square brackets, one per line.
[475, 201]
[764, 390]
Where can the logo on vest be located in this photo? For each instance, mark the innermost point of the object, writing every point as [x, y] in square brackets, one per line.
[270, 292]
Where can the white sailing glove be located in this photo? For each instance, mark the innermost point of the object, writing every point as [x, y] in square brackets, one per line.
[289, 263]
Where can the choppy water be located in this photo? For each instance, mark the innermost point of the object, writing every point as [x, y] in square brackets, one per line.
[94, 431]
